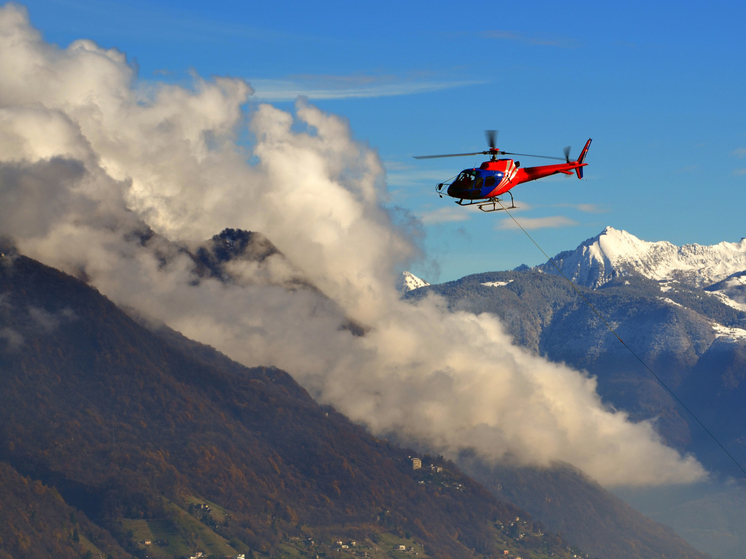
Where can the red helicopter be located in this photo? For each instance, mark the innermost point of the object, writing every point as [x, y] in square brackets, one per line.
[483, 185]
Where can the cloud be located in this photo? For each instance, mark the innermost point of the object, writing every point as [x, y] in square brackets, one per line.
[586, 208]
[740, 152]
[347, 87]
[13, 340]
[551, 222]
[48, 322]
[444, 215]
[129, 178]
[399, 175]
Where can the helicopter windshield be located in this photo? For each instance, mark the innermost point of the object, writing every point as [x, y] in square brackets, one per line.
[465, 179]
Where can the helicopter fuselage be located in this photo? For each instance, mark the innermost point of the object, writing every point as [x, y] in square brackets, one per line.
[496, 177]
[486, 181]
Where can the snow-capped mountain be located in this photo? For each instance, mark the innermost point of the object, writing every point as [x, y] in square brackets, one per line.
[732, 290]
[682, 310]
[615, 253]
[409, 282]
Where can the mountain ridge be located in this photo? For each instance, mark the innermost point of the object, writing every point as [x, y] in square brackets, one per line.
[689, 328]
[135, 430]
[615, 253]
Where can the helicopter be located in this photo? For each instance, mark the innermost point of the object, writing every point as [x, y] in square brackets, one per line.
[483, 185]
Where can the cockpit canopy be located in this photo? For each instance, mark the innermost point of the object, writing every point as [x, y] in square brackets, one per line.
[475, 183]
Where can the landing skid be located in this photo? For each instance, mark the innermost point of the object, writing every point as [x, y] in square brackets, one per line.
[490, 205]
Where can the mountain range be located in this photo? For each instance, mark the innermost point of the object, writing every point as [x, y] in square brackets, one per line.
[678, 310]
[116, 432]
[121, 440]
[615, 253]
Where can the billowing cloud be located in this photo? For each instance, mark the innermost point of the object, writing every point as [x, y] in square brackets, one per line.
[108, 180]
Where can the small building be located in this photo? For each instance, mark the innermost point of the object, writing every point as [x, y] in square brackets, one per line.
[416, 463]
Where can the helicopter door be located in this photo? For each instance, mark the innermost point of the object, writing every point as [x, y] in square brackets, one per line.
[476, 188]
[489, 184]
[483, 186]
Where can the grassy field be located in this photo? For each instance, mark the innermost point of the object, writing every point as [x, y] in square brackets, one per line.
[385, 546]
[179, 534]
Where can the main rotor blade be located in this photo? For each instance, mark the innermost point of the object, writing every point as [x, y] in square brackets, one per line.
[491, 138]
[451, 155]
[529, 155]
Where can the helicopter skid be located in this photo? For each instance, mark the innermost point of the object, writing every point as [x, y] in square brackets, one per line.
[489, 205]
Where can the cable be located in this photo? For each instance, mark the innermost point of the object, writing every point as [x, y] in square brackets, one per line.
[611, 329]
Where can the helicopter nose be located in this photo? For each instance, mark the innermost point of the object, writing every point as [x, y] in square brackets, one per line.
[454, 190]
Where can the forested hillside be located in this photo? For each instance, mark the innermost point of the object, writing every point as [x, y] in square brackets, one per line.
[169, 448]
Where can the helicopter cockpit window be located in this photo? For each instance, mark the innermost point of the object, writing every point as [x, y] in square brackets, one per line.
[465, 179]
[489, 181]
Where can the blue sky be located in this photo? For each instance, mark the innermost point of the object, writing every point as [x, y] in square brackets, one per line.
[660, 87]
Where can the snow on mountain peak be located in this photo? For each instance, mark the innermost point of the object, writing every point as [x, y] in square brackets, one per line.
[409, 282]
[615, 253]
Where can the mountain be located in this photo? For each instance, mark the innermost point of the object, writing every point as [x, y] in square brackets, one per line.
[679, 309]
[119, 440]
[693, 338]
[614, 253]
[409, 282]
[732, 289]
[580, 509]
[36, 522]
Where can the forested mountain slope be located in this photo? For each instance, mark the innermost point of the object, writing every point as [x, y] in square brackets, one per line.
[157, 439]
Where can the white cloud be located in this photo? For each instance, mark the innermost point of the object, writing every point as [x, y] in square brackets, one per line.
[116, 162]
[444, 215]
[346, 87]
[591, 208]
[551, 222]
[740, 152]
[407, 176]
[586, 208]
